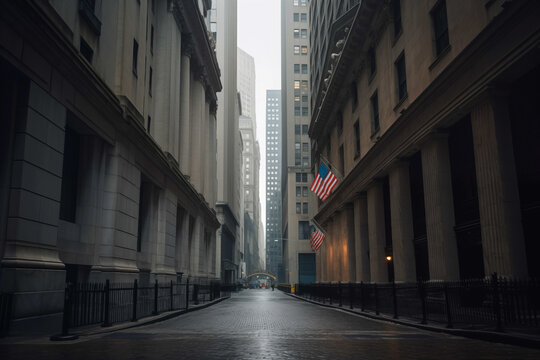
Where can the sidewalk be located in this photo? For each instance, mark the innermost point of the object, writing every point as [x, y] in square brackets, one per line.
[95, 330]
[512, 338]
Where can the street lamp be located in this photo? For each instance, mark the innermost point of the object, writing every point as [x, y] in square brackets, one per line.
[389, 258]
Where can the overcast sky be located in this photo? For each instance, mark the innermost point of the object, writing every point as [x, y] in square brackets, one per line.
[259, 34]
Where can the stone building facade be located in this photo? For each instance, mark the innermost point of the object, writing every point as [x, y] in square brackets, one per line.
[108, 161]
[428, 110]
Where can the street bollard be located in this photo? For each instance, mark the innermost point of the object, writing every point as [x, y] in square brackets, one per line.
[447, 301]
[496, 302]
[376, 299]
[351, 294]
[187, 293]
[172, 298]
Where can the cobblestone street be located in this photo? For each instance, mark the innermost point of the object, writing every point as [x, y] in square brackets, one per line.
[261, 324]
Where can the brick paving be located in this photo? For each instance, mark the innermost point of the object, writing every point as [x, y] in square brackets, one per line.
[261, 324]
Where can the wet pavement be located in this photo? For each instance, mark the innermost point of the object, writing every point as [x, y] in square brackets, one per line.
[261, 324]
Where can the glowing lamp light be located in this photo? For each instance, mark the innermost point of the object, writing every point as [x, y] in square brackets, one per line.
[388, 258]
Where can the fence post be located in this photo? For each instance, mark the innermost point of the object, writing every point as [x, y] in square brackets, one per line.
[361, 296]
[496, 301]
[422, 292]
[172, 306]
[447, 301]
[340, 290]
[106, 317]
[394, 297]
[187, 293]
[135, 296]
[351, 295]
[155, 312]
[376, 299]
[330, 291]
[66, 318]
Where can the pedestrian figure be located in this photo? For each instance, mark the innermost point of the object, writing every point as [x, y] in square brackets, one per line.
[273, 286]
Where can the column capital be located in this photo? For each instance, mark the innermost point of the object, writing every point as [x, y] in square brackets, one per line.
[188, 46]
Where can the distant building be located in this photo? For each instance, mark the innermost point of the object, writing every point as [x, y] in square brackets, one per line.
[229, 166]
[428, 109]
[298, 202]
[251, 159]
[108, 148]
[273, 179]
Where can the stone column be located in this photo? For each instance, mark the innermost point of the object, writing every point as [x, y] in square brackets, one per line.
[439, 202]
[361, 235]
[185, 98]
[206, 150]
[498, 194]
[31, 268]
[197, 106]
[213, 155]
[377, 233]
[195, 247]
[351, 244]
[402, 223]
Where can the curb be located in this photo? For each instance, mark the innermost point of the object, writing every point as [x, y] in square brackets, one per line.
[490, 336]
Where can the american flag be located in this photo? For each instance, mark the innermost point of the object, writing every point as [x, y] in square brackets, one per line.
[317, 238]
[324, 182]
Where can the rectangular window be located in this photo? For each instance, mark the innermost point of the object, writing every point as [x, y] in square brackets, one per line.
[356, 138]
[296, 33]
[295, 2]
[303, 17]
[396, 10]
[304, 84]
[297, 68]
[303, 230]
[305, 161]
[298, 208]
[304, 50]
[304, 191]
[296, 129]
[339, 123]
[297, 84]
[303, 2]
[296, 17]
[342, 159]
[135, 55]
[304, 177]
[152, 39]
[304, 208]
[305, 147]
[297, 111]
[304, 68]
[298, 191]
[374, 114]
[372, 61]
[150, 82]
[305, 129]
[304, 98]
[70, 170]
[296, 50]
[401, 77]
[86, 51]
[440, 25]
[298, 177]
[354, 95]
[303, 33]
[148, 124]
[304, 111]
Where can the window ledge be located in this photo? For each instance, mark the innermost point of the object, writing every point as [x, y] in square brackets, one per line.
[439, 57]
[375, 135]
[401, 101]
[88, 14]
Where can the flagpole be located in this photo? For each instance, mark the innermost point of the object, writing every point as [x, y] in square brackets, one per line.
[319, 226]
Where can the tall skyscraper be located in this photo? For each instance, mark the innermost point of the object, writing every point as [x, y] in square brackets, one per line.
[250, 160]
[298, 202]
[273, 176]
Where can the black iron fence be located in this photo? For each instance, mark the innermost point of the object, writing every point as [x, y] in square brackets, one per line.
[486, 303]
[108, 303]
[5, 312]
[285, 287]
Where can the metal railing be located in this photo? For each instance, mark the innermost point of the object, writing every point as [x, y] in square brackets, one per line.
[493, 303]
[108, 303]
[5, 312]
